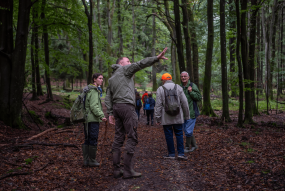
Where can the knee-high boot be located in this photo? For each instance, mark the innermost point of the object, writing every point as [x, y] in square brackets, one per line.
[92, 156]
[116, 163]
[128, 168]
[85, 155]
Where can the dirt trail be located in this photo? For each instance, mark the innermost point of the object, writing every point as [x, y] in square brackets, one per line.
[228, 158]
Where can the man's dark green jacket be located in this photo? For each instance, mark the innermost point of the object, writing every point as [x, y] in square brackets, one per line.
[193, 95]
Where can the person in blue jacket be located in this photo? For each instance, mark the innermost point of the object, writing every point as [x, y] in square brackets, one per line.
[149, 107]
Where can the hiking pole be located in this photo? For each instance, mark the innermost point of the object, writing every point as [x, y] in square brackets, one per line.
[104, 141]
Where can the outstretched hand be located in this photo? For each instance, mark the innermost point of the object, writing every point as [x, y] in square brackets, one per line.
[161, 55]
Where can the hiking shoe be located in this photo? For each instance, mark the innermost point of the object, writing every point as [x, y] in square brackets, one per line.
[168, 157]
[182, 157]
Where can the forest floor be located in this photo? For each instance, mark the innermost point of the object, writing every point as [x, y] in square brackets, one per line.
[228, 158]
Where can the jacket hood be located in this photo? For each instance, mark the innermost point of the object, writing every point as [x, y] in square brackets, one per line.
[89, 87]
[115, 67]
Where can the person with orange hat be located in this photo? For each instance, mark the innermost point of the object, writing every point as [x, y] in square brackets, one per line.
[171, 110]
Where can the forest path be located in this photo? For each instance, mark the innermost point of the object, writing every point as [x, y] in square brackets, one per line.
[251, 158]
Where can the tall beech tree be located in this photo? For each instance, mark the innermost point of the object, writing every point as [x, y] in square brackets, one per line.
[225, 114]
[179, 43]
[207, 108]
[12, 60]
[187, 40]
[46, 49]
[244, 55]
[89, 17]
[195, 55]
[240, 79]
[251, 55]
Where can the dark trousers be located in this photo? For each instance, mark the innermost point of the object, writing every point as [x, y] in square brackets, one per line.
[93, 132]
[138, 112]
[149, 113]
[168, 131]
[126, 123]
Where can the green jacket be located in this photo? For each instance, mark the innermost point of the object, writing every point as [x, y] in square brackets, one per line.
[121, 87]
[194, 95]
[93, 105]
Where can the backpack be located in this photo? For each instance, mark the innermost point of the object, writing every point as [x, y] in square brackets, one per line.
[78, 112]
[195, 106]
[172, 105]
[139, 103]
[146, 105]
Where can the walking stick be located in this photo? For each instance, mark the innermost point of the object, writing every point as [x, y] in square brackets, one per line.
[104, 140]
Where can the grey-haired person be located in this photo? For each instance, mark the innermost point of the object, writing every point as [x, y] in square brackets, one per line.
[193, 95]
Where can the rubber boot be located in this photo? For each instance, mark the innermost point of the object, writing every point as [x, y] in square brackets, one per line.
[85, 155]
[128, 169]
[193, 144]
[92, 156]
[151, 122]
[187, 144]
[147, 123]
[116, 163]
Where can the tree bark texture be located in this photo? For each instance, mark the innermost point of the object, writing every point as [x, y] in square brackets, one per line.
[187, 40]
[232, 52]
[46, 49]
[251, 58]
[207, 108]
[258, 61]
[240, 113]
[89, 17]
[272, 31]
[154, 84]
[179, 43]
[37, 65]
[34, 90]
[120, 35]
[194, 42]
[225, 114]
[12, 61]
[244, 55]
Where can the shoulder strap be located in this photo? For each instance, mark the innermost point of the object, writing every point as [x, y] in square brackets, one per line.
[191, 84]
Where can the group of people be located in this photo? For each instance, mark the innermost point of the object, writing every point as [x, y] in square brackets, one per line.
[175, 109]
[147, 103]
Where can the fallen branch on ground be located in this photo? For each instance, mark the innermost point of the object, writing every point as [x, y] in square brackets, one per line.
[68, 130]
[48, 144]
[41, 134]
[24, 173]
[23, 166]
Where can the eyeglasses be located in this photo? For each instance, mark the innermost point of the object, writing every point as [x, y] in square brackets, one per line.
[184, 76]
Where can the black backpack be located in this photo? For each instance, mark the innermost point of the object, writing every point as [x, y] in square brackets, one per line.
[195, 106]
[172, 105]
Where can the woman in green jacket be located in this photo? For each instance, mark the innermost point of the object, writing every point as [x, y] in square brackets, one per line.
[95, 115]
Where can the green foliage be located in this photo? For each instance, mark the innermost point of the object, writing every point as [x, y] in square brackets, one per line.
[244, 144]
[250, 162]
[30, 160]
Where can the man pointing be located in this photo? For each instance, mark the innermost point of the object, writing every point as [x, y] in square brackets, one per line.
[120, 102]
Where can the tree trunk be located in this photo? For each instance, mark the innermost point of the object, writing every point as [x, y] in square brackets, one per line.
[207, 108]
[89, 17]
[251, 58]
[46, 49]
[240, 113]
[12, 61]
[194, 46]
[154, 84]
[244, 55]
[225, 114]
[272, 31]
[232, 52]
[187, 40]
[280, 81]
[120, 35]
[37, 65]
[258, 69]
[179, 36]
[34, 90]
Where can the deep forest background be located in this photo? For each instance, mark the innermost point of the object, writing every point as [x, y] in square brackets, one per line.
[231, 49]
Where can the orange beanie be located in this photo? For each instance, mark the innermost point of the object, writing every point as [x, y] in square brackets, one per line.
[166, 76]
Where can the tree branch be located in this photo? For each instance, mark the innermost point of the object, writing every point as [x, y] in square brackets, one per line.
[86, 8]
